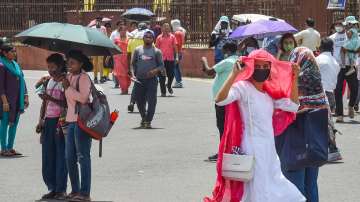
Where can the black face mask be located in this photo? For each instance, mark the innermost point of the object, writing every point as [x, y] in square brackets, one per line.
[260, 75]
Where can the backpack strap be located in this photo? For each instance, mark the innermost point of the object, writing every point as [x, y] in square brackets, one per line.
[93, 91]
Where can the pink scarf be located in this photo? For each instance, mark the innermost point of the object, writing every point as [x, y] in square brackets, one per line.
[278, 86]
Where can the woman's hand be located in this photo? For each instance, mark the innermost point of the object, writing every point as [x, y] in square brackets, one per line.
[6, 107]
[65, 83]
[44, 96]
[26, 101]
[239, 67]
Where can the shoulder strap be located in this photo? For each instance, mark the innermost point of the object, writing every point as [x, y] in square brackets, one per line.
[93, 91]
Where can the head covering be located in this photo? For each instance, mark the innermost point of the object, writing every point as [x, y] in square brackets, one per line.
[350, 20]
[218, 26]
[311, 92]
[176, 26]
[279, 86]
[352, 44]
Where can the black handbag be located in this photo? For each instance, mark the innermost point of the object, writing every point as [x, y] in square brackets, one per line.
[305, 142]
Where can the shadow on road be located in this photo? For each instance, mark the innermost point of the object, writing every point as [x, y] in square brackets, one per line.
[63, 200]
[12, 157]
[153, 128]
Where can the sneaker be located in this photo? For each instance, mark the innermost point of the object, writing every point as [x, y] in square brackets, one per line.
[50, 195]
[147, 125]
[351, 112]
[340, 119]
[356, 107]
[142, 124]
[15, 153]
[334, 156]
[178, 85]
[71, 195]
[213, 158]
[131, 108]
[163, 95]
[171, 92]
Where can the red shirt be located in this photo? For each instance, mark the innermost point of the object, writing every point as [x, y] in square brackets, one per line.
[180, 38]
[167, 44]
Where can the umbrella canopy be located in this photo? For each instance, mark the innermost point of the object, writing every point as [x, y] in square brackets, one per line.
[252, 18]
[262, 29]
[62, 37]
[138, 14]
[93, 22]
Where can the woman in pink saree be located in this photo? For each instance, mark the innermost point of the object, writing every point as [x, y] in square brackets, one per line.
[121, 67]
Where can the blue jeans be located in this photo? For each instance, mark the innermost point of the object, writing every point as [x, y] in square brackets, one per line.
[54, 170]
[177, 71]
[8, 131]
[306, 181]
[77, 150]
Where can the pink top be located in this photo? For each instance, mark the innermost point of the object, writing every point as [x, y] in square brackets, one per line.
[180, 38]
[55, 90]
[73, 96]
[167, 44]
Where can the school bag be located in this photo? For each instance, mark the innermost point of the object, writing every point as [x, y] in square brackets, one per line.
[94, 117]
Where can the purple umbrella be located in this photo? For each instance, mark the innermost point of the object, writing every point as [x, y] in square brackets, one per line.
[262, 29]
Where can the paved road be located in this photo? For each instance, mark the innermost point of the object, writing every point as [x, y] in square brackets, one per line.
[160, 165]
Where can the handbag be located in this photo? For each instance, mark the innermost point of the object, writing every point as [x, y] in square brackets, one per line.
[239, 166]
[305, 142]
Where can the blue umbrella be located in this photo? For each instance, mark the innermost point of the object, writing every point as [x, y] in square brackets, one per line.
[262, 29]
[138, 14]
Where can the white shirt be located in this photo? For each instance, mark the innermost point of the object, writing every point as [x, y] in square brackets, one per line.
[329, 70]
[115, 34]
[339, 40]
[309, 38]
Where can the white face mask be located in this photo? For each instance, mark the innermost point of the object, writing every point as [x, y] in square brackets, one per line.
[250, 49]
[339, 29]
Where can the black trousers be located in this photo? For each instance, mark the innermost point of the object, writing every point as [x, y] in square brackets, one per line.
[146, 94]
[169, 66]
[352, 81]
[220, 119]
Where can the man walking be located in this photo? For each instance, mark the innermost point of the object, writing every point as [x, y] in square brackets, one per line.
[147, 63]
[179, 33]
[167, 43]
[309, 37]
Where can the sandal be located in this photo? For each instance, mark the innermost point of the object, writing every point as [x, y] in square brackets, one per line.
[80, 197]
[15, 153]
[71, 195]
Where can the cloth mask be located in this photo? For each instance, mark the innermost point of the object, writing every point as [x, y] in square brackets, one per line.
[260, 75]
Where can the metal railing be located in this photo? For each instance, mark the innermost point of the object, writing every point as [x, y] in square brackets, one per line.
[197, 16]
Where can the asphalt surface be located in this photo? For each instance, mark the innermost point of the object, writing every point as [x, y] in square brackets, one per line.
[165, 164]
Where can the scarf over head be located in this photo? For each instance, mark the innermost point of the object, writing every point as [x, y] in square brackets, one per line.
[311, 92]
[218, 26]
[278, 86]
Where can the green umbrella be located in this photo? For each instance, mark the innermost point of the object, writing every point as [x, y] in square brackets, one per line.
[62, 37]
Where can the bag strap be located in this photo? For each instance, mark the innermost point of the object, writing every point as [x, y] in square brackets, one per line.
[93, 91]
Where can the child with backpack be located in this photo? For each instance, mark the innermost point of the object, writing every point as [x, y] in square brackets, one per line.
[54, 170]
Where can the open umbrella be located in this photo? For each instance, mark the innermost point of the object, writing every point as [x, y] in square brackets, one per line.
[138, 14]
[62, 37]
[243, 18]
[262, 29]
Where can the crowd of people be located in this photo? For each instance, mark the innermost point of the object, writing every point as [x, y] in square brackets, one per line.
[261, 90]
